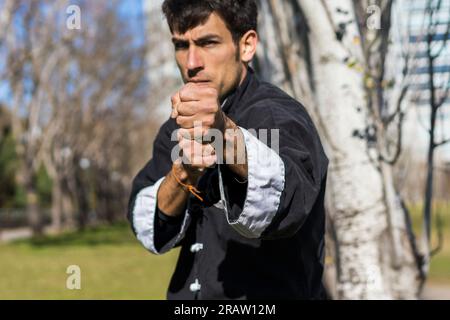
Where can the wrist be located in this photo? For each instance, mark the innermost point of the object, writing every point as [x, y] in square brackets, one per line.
[189, 183]
[234, 151]
[228, 124]
[229, 135]
[185, 175]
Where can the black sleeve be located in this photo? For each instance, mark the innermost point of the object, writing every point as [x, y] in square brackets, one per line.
[235, 190]
[166, 228]
[305, 167]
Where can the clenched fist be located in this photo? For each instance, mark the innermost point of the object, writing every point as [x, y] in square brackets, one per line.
[197, 103]
[196, 110]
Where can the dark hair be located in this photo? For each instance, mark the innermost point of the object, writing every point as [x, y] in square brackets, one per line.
[239, 16]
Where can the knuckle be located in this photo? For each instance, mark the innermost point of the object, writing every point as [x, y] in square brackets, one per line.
[180, 108]
[211, 91]
[183, 92]
[182, 145]
[215, 107]
[209, 121]
[205, 133]
[180, 135]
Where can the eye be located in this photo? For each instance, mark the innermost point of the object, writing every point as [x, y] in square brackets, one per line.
[181, 45]
[208, 43]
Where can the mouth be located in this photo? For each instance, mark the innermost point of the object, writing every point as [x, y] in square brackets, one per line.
[199, 81]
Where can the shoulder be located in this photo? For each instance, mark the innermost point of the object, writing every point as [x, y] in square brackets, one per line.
[270, 105]
[272, 108]
[270, 94]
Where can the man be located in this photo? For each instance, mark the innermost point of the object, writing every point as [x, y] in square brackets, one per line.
[249, 219]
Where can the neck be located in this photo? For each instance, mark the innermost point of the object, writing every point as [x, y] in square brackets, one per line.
[244, 74]
[239, 83]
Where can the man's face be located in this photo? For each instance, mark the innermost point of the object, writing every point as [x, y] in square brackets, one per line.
[207, 54]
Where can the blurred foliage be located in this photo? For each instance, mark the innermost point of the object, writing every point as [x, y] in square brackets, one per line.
[20, 198]
[80, 110]
[8, 165]
[44, 187]
[440, 263]
[12, 194]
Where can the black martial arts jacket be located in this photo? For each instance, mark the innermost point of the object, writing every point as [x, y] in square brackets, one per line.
[257, 239]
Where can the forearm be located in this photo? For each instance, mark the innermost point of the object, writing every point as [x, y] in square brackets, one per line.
[235, 156]
[172, 196]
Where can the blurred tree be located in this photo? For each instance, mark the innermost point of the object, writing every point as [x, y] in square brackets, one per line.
[76, 98]
[44, 187]
[8, 159]
[436, 36]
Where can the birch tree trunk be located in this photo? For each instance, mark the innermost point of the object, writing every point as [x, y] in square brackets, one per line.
[316, 45]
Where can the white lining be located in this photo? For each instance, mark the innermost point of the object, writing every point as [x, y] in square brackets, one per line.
[266, 179]
[144, 219]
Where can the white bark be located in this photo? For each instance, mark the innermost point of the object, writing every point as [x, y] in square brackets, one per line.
[374, 259]
[355, 185]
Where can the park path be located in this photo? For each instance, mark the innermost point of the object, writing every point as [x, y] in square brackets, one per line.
[14, 234]
[436, 292]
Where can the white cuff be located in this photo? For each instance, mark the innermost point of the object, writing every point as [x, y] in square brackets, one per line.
[266, 179]
[144, 219]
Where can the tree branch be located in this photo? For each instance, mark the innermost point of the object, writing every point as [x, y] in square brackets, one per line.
[440, 234]
[441, 143]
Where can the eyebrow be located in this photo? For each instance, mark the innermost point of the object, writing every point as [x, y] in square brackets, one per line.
[206, 37]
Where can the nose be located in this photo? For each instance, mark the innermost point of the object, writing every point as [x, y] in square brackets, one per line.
[195, 61]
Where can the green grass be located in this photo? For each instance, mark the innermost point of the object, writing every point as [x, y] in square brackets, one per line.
[113, 266]
[440, 263]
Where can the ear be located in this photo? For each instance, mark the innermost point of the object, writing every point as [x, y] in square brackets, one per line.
[247, 46]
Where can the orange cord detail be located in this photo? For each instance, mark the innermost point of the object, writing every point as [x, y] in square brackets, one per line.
[189, 187]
